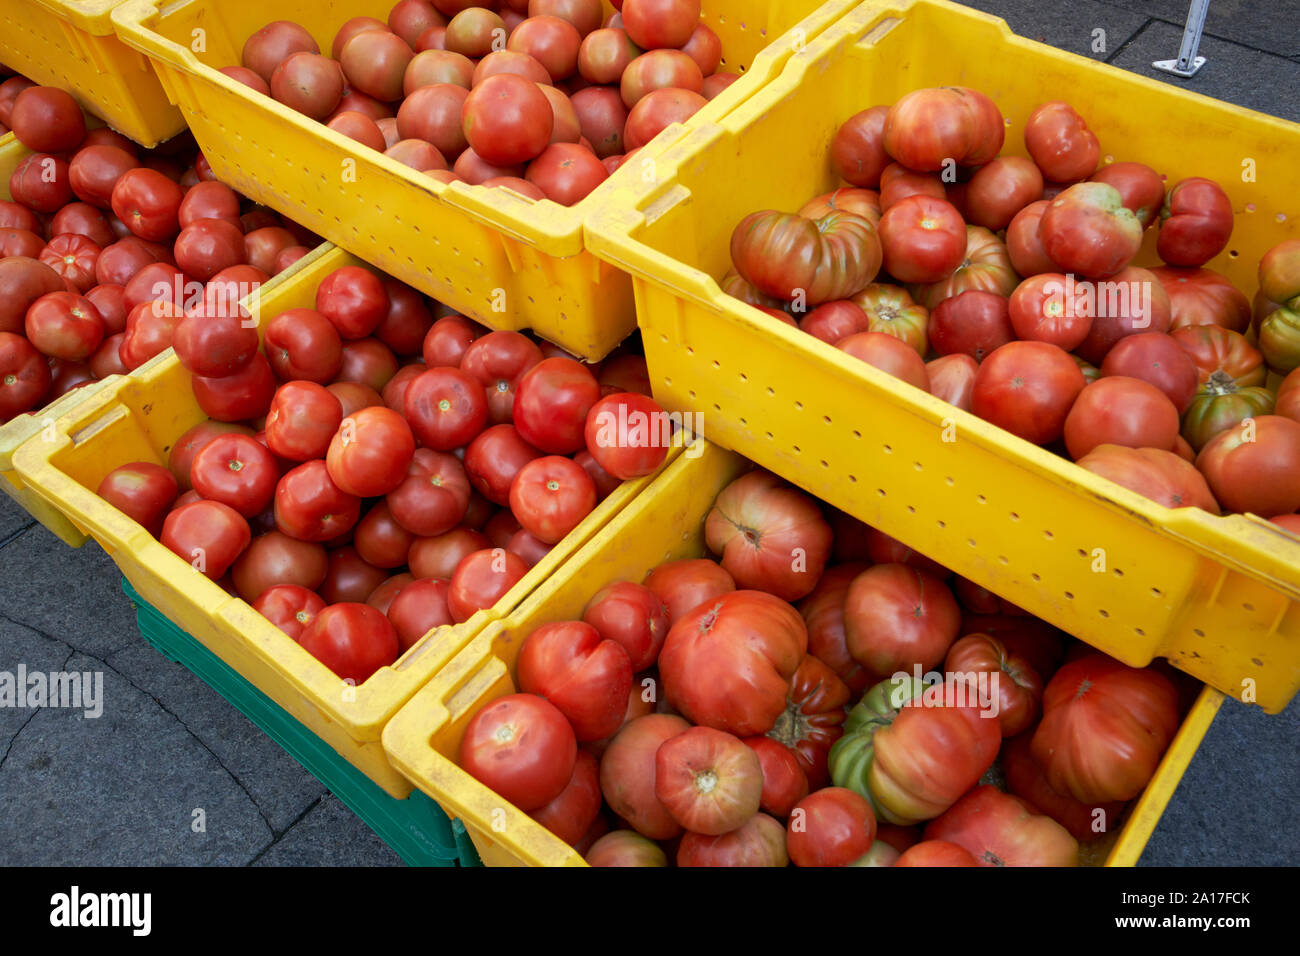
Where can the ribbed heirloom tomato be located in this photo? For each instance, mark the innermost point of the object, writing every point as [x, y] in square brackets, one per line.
[801, 260]
[998, 829]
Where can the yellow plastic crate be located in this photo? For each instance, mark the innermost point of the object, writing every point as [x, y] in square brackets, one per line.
[1217, 596]
[506, 261]
[72, 44]
[138, 419]
[664, 524]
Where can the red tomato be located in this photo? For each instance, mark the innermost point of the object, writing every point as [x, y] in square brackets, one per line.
[656, 111]
[73, 257]
[1028, 389]
[814, 713]
[142, 491]
[929, 128]
[685, 585]
[433, 494]
[1060, 143]
[407, 321]
[552, 402]
[1001, 830]
[83, 219]
[602, 116]
[708, 780]
[207, 246]
[784, 781]
[1251, 467]
[238, 471]
[310, 507]
[349, 578]
[374, 61]
[587, 677]
[628, 434]
[771, 536]
[1089, 231]
[923, 239]
[265, 49]
[208, 534]
[148, 203]
[212, 200]
[482, 579]
[834, 321]
[1024, 246]
[656, 24]
[1025, 779]
[566, 172]
[936, 853]
[494, 458]
[1131, 302]
[46, 119]
[1155, 358]
[1162, 476]
[445, 407]
[832, 827]
[507, 119]
[823, 613]
[1195, 222]
[1001, 189]
[728, 664]
[1141, 187]
[380, 540]
[634, 617]
[302, 421]
[857, 152]
[798, 259]
[354, 299]
[437, 557]
[351, 639]
[189, 444]
[625, 848]
[1018, 687]
[303, 344]
[368, 361]
[289, 607]
[275, 559]
[263, 246]
[369, 454]
[521, 747]
[214, 345]
[1105, 727]
[896, 618]
[1203, 297]
[952, 378]
[243, 395]
[1051, 307]
[418, 608]
[890, 355]
[1117, 410]
[64, 325]
[41, 183]
[551, 496]
[760, 842]
[571, 814]
[447, 341]
[499, 360]
[627, 774]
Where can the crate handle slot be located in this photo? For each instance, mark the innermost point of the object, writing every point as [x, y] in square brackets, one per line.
[86, 432]
[665, 202]
[878, 31]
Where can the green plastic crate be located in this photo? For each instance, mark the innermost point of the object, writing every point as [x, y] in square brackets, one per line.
[416, 828]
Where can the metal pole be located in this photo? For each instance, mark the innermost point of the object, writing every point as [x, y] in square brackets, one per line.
[1188, 62]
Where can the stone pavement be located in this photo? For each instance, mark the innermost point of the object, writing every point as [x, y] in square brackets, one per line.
[123, 789]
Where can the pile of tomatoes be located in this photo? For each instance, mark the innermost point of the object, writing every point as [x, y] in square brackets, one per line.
[700, 715]
[1014, 276]
[544, 97]
[105, 248]
[370, 474]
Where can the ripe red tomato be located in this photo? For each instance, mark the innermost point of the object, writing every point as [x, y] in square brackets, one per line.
[1162, 476]
[1060, 143]
[708, 780]
[1105, 727]
[587, 677]
[552, 402]
[374, 62]
[189, 444]
[303, 344]
[813, 718]
[798, 259]
[1155, 358]
[238, 471]
[973, 323]
[302, 421]
[1019, 688]
[823, 613]
[1087, 230]
[728, 663]
[1028, 389]
[1001, 830]
[602, 117]
[625, 848]
[1001, 189]
[1132, 301]
[628, 434]
[289, 607]
[499, 360]
[507, 119]
[1250, 467]
[73, 257]
[771, 536]
[1086, 822]
[935, 853]
[834, 321]
[685, 585]
[522, 748]
[1118, 410]
[929, 128]
[897, 618]
[832, 827]
[858, 152]
[354, 299]
[265, 49]
[310, 507]
[418, 608]
[633, 616]
[1140, 186]
[1195, 222]
[551, 496]
[660, 24]
[47, 119]
[83, 219]
[41, 183]
[1050, 307]
[570, 815]
[566, 172]
[494, 458]
[242, 395]
[923, 239]
[446, 408]
[214, 345]
[207, 534]
[353, 640]
[64, 325]
[369, 454]
[433, 494]
[275, 559]
[656, 111]
[349, 578]
[1024, 245]
[627, 774]
[148, 203]
[481, 579]
[784, 782]
[207, 246]
[760, 842]
[888, 354]
[142, 491]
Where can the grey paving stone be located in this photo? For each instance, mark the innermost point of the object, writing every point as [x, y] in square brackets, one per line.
[278, 784]
[1237, 74]
[1267, 26]
[12, 517]
[72, 594]
[21, 646]
[1068, 26]
[329, 835]
[120, 790]
[1235, 804]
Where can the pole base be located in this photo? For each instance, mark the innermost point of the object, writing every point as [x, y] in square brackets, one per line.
[1171, 66]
